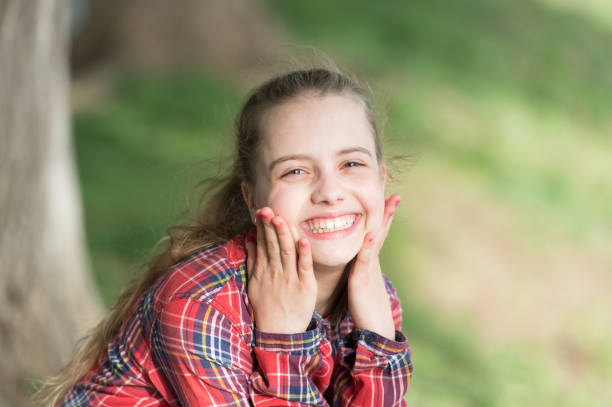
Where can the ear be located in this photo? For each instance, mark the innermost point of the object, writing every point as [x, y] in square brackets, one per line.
[249, 199]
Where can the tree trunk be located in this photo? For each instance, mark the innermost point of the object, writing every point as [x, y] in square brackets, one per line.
[47, 299]
[226, 35]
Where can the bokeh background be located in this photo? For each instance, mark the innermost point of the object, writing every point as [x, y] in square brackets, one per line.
[501, 251]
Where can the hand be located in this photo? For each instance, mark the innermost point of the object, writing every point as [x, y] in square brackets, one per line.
[368, 300]
[282, 288]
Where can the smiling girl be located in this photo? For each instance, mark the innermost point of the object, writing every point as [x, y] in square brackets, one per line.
[274, 295]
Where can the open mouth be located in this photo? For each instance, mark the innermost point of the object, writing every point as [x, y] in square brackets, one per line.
[331, 227]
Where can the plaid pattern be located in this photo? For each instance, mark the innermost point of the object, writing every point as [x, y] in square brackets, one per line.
[191, 341]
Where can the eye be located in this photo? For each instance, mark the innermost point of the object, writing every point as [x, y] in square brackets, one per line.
[353, 164]
[294, 171]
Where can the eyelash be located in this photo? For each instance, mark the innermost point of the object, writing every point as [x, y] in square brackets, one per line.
[291, 172]
[357, 164]
[346, 164]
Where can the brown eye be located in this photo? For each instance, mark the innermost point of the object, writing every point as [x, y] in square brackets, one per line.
[295, 171]
[353, 164]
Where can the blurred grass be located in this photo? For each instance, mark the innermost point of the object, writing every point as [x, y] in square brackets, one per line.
[511, 90]
[454, 367]
[514, 95]
[516, 47]
[138, 156]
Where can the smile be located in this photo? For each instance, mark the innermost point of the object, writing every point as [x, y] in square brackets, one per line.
[331, 225]
[334, 227]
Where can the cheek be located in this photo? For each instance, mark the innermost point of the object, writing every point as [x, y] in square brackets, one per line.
[376, 208]
[288, 208]
[285, 203]
[379, 211]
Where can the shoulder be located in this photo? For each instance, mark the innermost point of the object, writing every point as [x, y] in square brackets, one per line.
[203, 275]
[200, 308]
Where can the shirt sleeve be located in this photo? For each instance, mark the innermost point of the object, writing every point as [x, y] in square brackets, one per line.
[373, 370]
[293, 367]
[207, 362]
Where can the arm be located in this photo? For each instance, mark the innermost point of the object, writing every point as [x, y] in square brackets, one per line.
[207, 362]
[293, 366]
[282, 290]
[373, 370]
[375, 360]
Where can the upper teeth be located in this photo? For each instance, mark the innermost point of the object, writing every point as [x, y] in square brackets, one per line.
[331, 225]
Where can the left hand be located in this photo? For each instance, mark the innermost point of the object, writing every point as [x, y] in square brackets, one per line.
[368, 300]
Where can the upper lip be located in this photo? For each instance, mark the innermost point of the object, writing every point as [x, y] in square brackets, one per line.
[329, 215]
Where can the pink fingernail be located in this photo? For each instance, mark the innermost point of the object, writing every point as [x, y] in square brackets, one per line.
[277, 222]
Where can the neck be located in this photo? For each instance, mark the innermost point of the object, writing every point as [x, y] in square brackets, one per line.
[328, 279]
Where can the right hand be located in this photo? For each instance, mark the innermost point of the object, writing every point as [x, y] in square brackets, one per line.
[282, 288]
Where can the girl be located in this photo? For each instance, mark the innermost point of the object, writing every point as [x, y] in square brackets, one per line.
[274, 295]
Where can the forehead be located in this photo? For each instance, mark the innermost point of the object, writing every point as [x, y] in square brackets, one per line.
[310, 123]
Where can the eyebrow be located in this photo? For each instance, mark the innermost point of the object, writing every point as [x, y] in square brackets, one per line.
[308, 157]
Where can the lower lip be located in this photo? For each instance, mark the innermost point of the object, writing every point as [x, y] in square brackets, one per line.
[338, 234]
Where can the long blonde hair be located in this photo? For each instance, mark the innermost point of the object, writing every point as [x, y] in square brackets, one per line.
[222, 216]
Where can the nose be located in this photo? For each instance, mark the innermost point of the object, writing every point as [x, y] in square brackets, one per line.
[328, 189]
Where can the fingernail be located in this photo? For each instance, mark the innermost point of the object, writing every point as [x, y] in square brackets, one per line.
[303, 243]
[277, 222]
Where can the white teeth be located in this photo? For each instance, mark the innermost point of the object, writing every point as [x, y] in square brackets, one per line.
[331, 225]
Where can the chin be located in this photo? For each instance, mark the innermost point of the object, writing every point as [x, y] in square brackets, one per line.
[332, 259]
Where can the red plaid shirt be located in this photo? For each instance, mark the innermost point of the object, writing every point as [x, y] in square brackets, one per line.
[191, 341]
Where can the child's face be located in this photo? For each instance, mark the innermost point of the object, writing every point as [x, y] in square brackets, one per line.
[317, 168]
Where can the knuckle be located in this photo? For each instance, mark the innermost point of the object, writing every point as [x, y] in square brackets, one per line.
[272, 265]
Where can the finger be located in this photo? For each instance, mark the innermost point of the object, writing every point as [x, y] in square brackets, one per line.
[286, 243]
[305, 272]
[272, 246]
[251, 258]
[261, 255]
[365, 255]
[390, 206]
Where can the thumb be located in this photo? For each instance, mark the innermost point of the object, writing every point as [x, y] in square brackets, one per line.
[362, 262]
[251, 258]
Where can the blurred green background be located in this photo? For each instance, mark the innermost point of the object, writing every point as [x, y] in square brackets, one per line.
[502, 248]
